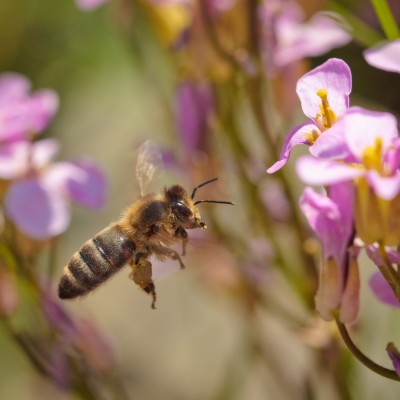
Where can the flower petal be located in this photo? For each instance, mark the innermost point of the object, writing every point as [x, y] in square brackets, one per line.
[83, 181]
[13, 86]
[331, 144]
[335, 76]
[317, 171]
[37, 211]
[363, 127]
[385, 55]
[298, 135]
[14, 159]
[43, 151]
[385, 187]
[305, 40]
[382, 290]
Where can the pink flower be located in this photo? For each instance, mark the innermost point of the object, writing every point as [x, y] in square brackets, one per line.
[288, 38]
[38, 201]
[324, 96]
[23, 114]
[89, 5]
[385, 55]
[332, 220]
[369, 141]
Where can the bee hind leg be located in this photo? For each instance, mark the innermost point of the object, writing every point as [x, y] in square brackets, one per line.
[142, 275]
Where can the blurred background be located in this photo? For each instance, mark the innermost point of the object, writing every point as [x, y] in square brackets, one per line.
[235, 324]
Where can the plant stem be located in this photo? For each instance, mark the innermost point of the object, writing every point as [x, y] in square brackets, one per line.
[386, 19]
[385, 372]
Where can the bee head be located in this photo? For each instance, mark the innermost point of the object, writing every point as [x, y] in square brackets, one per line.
[184, 206]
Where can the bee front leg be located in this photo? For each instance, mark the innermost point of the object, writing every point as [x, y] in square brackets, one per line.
[182, 234]
[142, 275]
[166, 251]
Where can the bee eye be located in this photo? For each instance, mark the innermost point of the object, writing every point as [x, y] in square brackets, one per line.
[182, 210]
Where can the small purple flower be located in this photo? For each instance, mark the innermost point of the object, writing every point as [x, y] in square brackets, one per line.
[23, 114]
[385, 55]
[89, 5]
[38, 201]
[324, 96]
[287, 38]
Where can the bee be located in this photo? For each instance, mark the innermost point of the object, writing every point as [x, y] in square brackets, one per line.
[149, 226]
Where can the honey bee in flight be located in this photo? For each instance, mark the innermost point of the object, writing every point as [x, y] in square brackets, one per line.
[147, 227]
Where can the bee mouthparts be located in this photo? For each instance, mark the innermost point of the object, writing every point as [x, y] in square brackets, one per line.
[203, 225]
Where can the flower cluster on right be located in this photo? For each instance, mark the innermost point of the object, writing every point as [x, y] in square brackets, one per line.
[355, 156]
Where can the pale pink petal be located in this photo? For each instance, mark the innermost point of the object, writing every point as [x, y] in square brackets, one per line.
[331, 144]
[335, 76]
[385, 187]
[382, 290]
[384, 56]
[13, 86]
[82, 181]
[298, 135]
[305, 40]
[43, 105]
[14, 159]
[43, 151]
[37, 211]
[363, 127]
[314, 171]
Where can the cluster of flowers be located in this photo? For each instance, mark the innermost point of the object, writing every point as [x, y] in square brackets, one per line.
[36, 192]
[355, 156]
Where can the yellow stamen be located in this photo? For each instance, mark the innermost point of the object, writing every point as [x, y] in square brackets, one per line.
[312, 136]
[372, 156]
[327, 114]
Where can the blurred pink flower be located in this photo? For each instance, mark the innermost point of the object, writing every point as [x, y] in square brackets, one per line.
[23, 114]
[385, 55]
[382, 290]
[38, 200]
[194, 108]
[287, 38]
[89, 5]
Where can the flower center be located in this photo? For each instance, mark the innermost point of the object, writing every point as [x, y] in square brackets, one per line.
[372, 156]
[326, 117]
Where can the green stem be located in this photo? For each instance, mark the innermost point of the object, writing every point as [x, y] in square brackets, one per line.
[361, 31]
[386, 19]
[373, 366]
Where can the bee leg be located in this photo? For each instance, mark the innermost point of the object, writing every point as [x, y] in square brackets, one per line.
[142, 275]
[182, 234]
[166, 251]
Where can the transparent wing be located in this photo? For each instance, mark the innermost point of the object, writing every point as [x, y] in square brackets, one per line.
[149, 163]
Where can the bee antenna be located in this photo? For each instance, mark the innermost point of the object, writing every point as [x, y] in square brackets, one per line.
[201, 185]
[214, 201]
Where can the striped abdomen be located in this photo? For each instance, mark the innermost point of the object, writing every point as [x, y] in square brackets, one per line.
[95, 261]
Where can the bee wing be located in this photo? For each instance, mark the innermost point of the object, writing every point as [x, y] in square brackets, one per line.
[149, 163]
